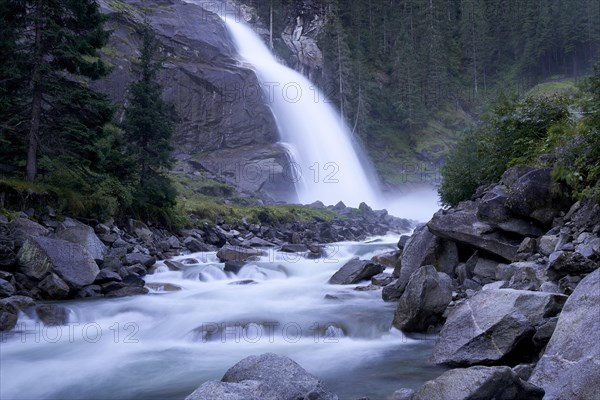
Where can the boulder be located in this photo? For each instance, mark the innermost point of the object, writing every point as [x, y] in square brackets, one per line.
[525, 275]
[421, 249]
[284, 379]
[564, 263]
[382, 279]
[236, 253]
[390, 259]
[127, 291]
[52, 314]
[424, 300]
[76, 232]
[195, 246]
[139, 258]
[6, 288]
[54, 287]
[355, 271]
[534, 196]
[70, 261]
[23, 229]
[547, 244]
[234, 266]
[294, 248]
[569, 368]
[485, 270]
[494, 326]
[391, 292]
[462, 225]
[492, 210]
[478, 383]
[9, 310]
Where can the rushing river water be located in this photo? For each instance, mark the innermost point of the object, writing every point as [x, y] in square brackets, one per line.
[165, 344]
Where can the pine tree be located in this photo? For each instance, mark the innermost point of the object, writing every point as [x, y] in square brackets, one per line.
[149, 126]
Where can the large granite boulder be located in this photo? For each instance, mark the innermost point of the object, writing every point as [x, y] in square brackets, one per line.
[534, 195]
[71, 262]
[462, 225]
[355, 271]
[76, 232]
[424, 300]
[493, 326]
[265, 377]
[570, 366]
[23, 229]
[478, 383]
[237, 253]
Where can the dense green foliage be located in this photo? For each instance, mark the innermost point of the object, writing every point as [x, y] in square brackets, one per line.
[149, 126]
[558, 132]
[403, 72]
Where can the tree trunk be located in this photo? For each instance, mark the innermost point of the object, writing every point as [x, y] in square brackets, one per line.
[36, 103]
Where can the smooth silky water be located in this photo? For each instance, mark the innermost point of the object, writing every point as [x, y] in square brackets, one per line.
[165, 344]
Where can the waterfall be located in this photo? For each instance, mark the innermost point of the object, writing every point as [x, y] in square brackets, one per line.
[325, 158]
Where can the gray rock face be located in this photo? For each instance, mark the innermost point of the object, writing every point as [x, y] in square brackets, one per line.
[52, 314]
[424, 300]
[532, 195]
[23, 228]
[139, 258]
[569, 368]
[55, 287]
[568, 262]
[462, 225]
[225, 125]
[488, 326]
[70, 261]
[76, 232]
[478, 383]
[423, 248]
[236, 253]
[265, 377]
[355, 271]
[6, 288]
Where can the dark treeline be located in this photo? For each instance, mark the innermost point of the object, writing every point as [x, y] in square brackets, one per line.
[390, 64]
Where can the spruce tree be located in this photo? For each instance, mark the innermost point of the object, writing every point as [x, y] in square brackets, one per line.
[149, 126]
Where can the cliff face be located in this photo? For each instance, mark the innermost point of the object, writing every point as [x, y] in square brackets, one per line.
[219, 103]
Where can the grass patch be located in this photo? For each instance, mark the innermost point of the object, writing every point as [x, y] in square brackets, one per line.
[549, 89]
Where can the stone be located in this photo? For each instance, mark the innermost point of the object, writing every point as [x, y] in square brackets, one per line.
[547, 244]
[234, 266]
[139, 258]
[137, 269]
[382, 279]
[258, 242]
[15, 304]
[127, 291]
[174, 265]
[355, 271]
[133, 280]
[544, 332]
[276, 377]
[589, 247]
[391, 292]
[494, 325]
[523, 371]
[195, 246]
[568, 369]
[527, 246]
[389, 259]
[76, 232]
[8, 320]
[462, 226]
[90, 291]
[107, 275]
[236, 253]
[6, 288]
[403, 394]
[570, 263]
[54, 287]
[293, 248]
[524, 275]
[534, 196]
[424, 300]
[23, 229]
[52, 314]
[243, 282]
[70, 261]
[421, 249]
[478, 383]
[485, 269]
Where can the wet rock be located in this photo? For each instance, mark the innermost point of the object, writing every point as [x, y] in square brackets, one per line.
[70, 261]
[127, 291]
[90, 291]
[139, 258]
[137, 269]
[382, 279]
[133, 280]
[52, 314]
[236, 253]
[421, 249]
[424, 300]
[390, 259]
[234, 266]
[494, 325]
[195, 246]
[54, 287]
[106, 275]
[163, 287]
[391, 292]
[15, 304]
[294, 248]
[403, 394]
[6, 288]
[569, 367]
[355, 271]
[244, 282]
[265, 377]
[499, 383]
[8, 320]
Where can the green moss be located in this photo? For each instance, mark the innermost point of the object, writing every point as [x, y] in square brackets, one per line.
[549, 89]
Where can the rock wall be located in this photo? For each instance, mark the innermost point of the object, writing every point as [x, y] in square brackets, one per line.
[219, 102]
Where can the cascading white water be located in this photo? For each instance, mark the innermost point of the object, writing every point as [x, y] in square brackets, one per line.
[328, 166]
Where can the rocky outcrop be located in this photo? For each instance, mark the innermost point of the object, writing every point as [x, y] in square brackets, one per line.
[84, 235]
[424, 301]
[569, 368]
[225, 127]
[493, 326]
[265, 377]
[499, 383]
[355, 271]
